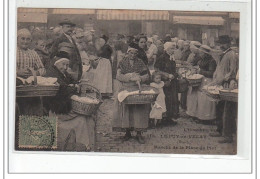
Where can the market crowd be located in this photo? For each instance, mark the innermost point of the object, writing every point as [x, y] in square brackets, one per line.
[74, 55]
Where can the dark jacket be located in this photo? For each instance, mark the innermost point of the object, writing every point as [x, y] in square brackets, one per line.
[61, 103]
[106, 52]
[207, 66]
[75, 59]
[164, 64]
[185, 55]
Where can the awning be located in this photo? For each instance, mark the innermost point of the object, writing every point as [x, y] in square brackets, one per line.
[199, 20]
[73, 11]
[32, 10]
[35, 15]
[132, 15]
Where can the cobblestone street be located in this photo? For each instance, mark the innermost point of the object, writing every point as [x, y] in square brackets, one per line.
[187, 137]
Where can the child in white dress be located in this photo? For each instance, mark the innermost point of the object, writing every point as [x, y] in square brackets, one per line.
[159, 107]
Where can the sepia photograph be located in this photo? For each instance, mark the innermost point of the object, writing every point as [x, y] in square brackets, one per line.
[127, 81]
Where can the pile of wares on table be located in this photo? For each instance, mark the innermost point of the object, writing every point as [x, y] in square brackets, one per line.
[191, 75]
[212, 91]
[35, 86]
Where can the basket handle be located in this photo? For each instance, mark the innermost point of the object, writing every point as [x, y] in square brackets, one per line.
[96, 90]
[34, 76]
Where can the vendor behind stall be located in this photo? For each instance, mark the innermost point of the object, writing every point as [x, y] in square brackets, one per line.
[27, 58]
[69, 123]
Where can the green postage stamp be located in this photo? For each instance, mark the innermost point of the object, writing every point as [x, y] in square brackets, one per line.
[37, 132]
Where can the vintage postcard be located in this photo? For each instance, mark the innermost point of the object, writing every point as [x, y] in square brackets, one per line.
[127, 81]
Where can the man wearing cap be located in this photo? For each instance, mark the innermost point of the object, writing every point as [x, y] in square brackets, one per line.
[66, 36]
[226, 71]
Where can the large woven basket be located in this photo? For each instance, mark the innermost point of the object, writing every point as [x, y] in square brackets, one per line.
[141, 98]
[228, 96]
[87, 109]
[36, 90]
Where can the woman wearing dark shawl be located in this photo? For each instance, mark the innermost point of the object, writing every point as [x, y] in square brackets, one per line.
[167, 66]
[131, 117]
[70, 124]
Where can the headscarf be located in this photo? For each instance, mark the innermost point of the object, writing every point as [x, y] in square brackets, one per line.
[131, 49]
[167, 45]
[23, 32]
[61, 60]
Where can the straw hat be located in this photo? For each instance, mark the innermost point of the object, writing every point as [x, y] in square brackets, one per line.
[205, 49]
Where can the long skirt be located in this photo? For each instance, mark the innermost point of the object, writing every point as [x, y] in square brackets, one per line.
[171, 100]
[133, 117]
[206, 105]
[74, 129]
[103, 76]
[192, 101]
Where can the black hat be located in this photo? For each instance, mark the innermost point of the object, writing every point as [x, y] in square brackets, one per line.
[67, 21]
[224, 39]
[167, 39]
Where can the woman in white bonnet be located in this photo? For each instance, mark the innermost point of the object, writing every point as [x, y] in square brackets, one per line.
[27, 58]
[74, 130]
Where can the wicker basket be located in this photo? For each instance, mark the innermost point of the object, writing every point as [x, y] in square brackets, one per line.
[141, 98]
[194, 82]
[87, 109]
[228, 96]
[36, 90]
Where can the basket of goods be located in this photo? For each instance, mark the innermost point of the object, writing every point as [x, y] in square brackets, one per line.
[35, 86]
[229, 95]
[212, 91]
[88, 102]
[194, 80]
[142, 95]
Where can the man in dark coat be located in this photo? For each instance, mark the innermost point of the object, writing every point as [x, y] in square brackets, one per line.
[75, 60]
